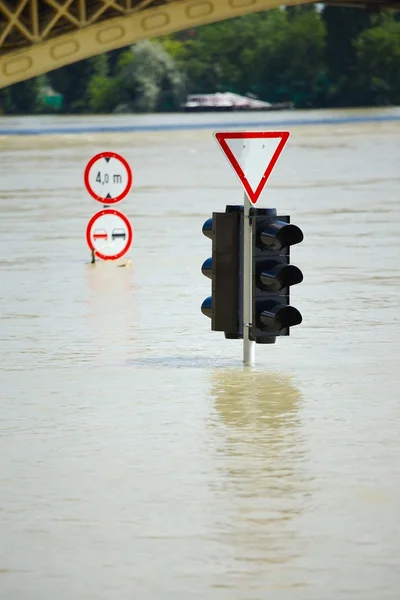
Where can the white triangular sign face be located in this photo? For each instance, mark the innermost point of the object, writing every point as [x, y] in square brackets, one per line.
[253, 155]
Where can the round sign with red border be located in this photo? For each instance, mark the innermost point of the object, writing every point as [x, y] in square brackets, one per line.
[109, 234]
[108, 177]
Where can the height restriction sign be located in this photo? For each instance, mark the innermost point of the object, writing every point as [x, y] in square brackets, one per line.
[108, 177]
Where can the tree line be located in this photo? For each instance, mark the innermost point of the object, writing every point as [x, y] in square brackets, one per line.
[333, 57]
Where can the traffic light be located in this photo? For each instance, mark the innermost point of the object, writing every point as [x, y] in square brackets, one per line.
[225, 269]
[273, 275]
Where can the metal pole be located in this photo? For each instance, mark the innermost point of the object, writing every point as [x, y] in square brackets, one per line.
[249, 347]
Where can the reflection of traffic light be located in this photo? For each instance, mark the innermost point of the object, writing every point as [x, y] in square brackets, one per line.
[224, 268]
[273, 275]
[256, 401]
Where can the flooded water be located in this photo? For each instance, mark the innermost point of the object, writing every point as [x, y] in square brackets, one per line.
[138, 457]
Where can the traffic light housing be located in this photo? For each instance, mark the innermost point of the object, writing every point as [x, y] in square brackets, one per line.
[273, 275]
[225, 269]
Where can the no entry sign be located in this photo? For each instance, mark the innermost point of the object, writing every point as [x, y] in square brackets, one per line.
[108, 177]
[109, 234]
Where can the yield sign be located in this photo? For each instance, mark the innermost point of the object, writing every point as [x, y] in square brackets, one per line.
[253, 155]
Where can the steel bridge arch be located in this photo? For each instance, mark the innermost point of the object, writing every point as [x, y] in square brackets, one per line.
[40, 45]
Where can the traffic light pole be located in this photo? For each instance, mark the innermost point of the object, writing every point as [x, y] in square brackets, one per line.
[249, 347]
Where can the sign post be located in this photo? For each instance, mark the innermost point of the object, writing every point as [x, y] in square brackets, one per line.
[253, 156]
[249, 347]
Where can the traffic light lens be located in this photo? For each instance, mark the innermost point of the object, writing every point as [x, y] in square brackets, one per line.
[277, 235]
[207, 228]
[275, 317]
[275, 276]
[206, 269]
[206, 307]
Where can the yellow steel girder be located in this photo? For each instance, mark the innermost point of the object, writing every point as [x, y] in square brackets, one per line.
[38, 36]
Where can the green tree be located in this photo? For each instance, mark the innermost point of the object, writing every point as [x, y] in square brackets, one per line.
[343, 26]
[6, 103]
[147, 79]
[378, 64]
[295, 11]
[289, 58]
[211, 58]
[73, 82]
[21, 98]
[103, 94]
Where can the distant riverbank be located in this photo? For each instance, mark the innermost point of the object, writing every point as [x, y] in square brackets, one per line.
[49, 124]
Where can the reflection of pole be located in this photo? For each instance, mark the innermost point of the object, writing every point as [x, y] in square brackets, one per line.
[249, 347]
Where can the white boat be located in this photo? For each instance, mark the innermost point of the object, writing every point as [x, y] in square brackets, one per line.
[226, 101]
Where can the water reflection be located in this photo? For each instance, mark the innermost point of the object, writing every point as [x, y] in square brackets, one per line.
[253, 400]
[261, 452]
[112, 311]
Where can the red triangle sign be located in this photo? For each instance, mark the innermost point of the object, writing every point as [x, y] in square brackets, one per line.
[253, 156]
